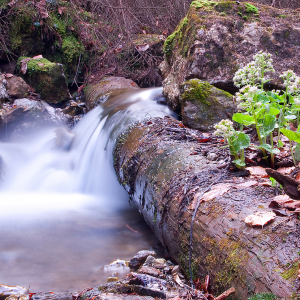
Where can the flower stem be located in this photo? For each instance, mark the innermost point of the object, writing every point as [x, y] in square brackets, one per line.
[292, 154]
[272, 154]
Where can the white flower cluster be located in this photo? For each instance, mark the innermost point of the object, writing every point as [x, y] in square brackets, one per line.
[225, 128]
[254, 72]
[245, 96]
[291, 81]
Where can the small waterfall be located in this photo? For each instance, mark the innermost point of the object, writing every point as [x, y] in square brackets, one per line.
[63, 214]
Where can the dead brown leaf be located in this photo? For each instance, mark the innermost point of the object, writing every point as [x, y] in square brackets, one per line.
[40, 64]
[246, 184]
[8, 75]
[218, 190]
[258, 171]
[260, 218]
[286, 170]
[24, 63]
[38, 56]
[61, 9]
[143, 47]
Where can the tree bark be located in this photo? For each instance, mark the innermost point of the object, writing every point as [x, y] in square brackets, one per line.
[165, 169]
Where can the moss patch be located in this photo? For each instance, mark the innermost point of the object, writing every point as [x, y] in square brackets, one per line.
[291, 272]
[263, 296]
[197, 90]
[250, 8]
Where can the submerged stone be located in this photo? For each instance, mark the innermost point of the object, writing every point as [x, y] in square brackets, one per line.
[13, 292]
[107, 87]
[47, 78]
[140, 258]
[203, 105]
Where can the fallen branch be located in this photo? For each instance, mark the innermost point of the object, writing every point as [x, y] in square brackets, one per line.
[226, 294]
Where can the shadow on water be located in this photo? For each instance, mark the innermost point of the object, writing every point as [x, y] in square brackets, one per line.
[63, 214]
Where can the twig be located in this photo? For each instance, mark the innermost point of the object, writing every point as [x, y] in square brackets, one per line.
[193, 218]
[77, 71]
[226, 294]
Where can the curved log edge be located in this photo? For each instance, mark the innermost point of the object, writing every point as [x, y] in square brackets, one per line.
[164, 167]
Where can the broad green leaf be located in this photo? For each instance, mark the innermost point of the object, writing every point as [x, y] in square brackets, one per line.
[241, 142]
[239, 163]
[263, 98]
[268, 125]
[297, 152]
[274, 111]
[269, 148]
[280, 143]
[243, 119]
[275, 97]
[281, 118]
[291, 135]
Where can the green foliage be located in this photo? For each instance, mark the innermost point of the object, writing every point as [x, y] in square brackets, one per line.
[71, 48]
[197, 90]
[250, 8]
[263, 296]
[170, 41]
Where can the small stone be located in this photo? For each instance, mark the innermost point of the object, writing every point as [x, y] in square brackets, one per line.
[175, 270]
[212, 156]
[13, 292]
[112, 279]
[150, 271]
[140, 258]
[159, 263]
[150, 260]
[17, 87]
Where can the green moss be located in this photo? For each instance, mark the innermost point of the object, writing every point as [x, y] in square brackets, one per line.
[21, 27]
[202, 3]
[291, 272]
[170, 41]
[196, 90]
[263, 296]
[37, 65]
[250, 8]
[224, 6]
[71, 48]
[59, 24]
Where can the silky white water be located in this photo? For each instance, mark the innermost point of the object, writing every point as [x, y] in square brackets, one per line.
[63, 213]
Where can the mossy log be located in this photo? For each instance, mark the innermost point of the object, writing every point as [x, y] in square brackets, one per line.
[165, 168]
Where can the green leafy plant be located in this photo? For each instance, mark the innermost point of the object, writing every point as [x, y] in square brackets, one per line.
[267, 111]
[237, 141]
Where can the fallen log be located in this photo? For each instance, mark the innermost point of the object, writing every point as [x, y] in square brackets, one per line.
[169, 171]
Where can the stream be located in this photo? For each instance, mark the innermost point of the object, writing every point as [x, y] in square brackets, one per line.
[63, 213]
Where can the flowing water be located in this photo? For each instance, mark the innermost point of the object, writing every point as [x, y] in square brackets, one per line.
[63, 214]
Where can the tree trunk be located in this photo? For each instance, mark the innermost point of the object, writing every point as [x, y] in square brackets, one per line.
[165, 169]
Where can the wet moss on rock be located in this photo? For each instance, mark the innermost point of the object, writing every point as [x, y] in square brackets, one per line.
[197, 91]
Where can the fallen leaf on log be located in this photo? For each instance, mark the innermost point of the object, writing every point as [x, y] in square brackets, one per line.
[61, 9]
[286, 170]
[8, 75]
[290, 185]
[299, 272]
[226, 294]
[258, 171]
[178, 280]
[260, 218]
[143, 47]
[246, 184]
[218, 190]
[284, 201]
[38, 56]
[24, 63]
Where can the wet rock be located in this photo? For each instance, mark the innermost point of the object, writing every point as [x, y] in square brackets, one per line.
[159, 263]
[203, 105]
[112, 296]
[74, 109]
[212, 156]
[108, 87]
[25, 114]
[52, 296]
[117, 263]
[47, 79]
[150, 260]
[3, 92]
[218, 37]
[13, 292]
[17, 87]
[112, 279]
[150, 271]
[140, 258]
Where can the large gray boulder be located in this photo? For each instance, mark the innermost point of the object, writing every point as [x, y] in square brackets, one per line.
[216, 38]
[203, 105]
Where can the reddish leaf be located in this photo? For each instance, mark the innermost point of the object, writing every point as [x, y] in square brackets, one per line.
[38, 56]
[260, 218]
[246, 184]
[24, 63]
[143, 47]
[61, 9]
[258, 171]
